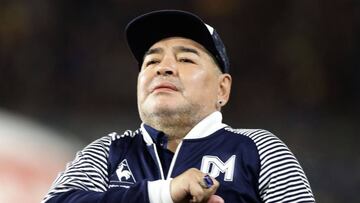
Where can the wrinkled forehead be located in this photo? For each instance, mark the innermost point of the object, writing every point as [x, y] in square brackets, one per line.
[179, 44]
[172, 42]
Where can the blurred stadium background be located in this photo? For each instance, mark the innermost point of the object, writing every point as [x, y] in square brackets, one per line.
[67, 78]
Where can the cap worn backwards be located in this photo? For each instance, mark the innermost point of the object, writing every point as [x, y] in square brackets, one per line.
[145, 30]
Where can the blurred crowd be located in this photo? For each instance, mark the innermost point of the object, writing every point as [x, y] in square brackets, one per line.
[295, 67]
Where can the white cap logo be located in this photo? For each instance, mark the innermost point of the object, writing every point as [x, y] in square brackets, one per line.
[211, 29]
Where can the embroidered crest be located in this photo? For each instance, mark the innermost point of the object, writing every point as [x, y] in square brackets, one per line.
[124, 173]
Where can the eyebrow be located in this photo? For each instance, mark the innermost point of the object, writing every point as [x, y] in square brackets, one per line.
[153, 51]
[186, 49]
[177, 49]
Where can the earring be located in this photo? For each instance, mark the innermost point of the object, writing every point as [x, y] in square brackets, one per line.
[220, 102]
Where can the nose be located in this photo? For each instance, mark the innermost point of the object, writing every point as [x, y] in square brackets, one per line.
[164, 72]
[166, 67]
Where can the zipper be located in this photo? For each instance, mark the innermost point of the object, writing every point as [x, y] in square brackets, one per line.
[159, 162]
[172, 164]
[173, 160]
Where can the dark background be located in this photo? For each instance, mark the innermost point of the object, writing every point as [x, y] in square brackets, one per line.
[295, 67]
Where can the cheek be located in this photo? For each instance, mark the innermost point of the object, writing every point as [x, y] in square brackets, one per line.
[200, 85]
[141, 86]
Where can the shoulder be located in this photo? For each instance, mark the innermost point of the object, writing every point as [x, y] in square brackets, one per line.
[277, 162]
[114, 136]
[263, 139]
[124, 138]
[273, 153]
[268, 144]
[254, 134]
[279, 168]
[102, 145]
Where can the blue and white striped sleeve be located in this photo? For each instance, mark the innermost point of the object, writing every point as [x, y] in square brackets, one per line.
[87, 172]
[281, 177]
[86, 179]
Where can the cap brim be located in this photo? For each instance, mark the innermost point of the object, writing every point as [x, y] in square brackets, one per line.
[147, 29]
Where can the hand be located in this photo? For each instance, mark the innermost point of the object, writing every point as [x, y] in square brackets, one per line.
[190, 187]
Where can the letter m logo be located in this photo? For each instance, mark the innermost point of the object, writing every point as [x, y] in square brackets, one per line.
[212, 165]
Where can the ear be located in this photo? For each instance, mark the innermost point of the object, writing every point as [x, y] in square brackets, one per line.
[224, 89]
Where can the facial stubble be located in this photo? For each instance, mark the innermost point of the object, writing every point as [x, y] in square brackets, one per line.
[176, 121]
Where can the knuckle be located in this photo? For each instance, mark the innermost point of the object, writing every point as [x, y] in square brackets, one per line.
[194, 169]
[198, 194]
[216, 183]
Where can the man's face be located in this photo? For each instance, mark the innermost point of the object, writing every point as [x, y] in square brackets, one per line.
[179, 77]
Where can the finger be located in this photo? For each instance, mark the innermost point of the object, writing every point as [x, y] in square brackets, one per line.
[197, 192]
[207, 182]
[208, 185]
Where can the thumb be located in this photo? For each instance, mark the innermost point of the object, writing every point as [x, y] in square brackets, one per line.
[215, 199]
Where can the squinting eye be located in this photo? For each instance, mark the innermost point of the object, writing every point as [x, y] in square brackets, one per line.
[186, 60]
[152, 62]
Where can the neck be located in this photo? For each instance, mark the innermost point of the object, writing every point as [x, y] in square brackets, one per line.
[175, 127]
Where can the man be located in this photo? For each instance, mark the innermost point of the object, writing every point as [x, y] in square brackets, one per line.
[182, 152]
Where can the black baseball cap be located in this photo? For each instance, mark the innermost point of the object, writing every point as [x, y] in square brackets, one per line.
[147, 29]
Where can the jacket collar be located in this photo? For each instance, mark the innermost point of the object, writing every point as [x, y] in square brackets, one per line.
[204, 128]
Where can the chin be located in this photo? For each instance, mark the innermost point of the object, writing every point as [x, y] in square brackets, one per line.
[168, 106]
[163, 103]
[161, 109]
[164, 109]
